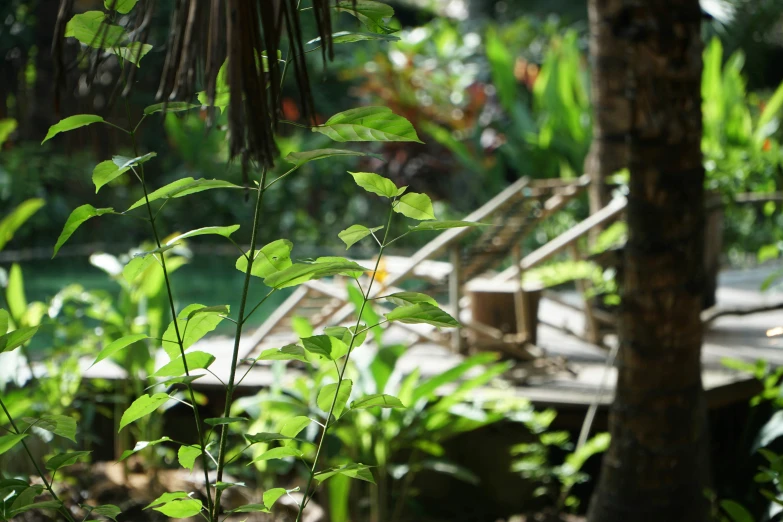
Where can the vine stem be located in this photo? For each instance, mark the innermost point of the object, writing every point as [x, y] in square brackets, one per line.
[328, 423]
[47, 484]
[180, 343]
[237, 337]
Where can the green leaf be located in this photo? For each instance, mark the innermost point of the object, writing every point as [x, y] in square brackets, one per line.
[121, 6]
[61, 425]
[140, 445]
[736, 512]
[278, 453]
[184, 508]
[184, 187]
[4, 317]
[380, 400]
[9, 441]
[14, 293]
[196, 361]
[70, 123]
[13, 340]
[327, 395]
[429, 386]
[223, 310]
[251, 508]
[368, 124]
[345, 334]
[409, 298]
[269, 259]
[325, 346]
[355, 233]
[255, 438]
[192, 327]
[422, 313]
[290, 352]
[272, 495]
[142, 407]
[415, 206]
[187, 455]
[11, 223]
[356, 471]
[77, 217]
[116, 346]
[219, 421]
[136, 266]
[771, 110]
[45, 504]
[376, 184]
[300, 273]
[372, 14]
[109, 170]
[167, 497]
[133, 52]
[172, 106]
[300, 158]
[65, 459]
[7, 126]
[91, 29]
[443, 225]
[176, 380]
[349, 37]
[107, 510]
[214, 231]
[294, 426]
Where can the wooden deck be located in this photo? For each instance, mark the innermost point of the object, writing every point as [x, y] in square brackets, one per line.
[576, 383]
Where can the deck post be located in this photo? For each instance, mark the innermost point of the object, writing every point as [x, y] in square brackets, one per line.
[455, 295]
[519, 296]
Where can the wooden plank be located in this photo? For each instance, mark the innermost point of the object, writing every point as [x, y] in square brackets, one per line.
[565, 239]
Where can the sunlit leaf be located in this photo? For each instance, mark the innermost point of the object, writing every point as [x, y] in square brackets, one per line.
[4, 318]
[11, 223]
[269, 259]
[375, 183]
[70, 123]
[325, 346]
[7, 126]
[116, 346]
[219, 421]
[141, 407]
[355, 233]
[77, 217]
[9, 441]
[172, 106]
[443, 225]
[121, 6]
[345, 334]
[184, 508]
[422, 313]
[61, 425]
[380, 400]
[326, 397]
[187, 455]
[293, 426]
[195, 360]
[16, 338]
[368, 124]
[192, 327]
[300, 158]
[109, 170]
[14, 293]
[409, 298]
[142, 444]
[302, 272]
[91, 29]
[205, 231]
[184, 187]
[133, 52]
[176, 380]
[356, 471]
[373, 15]
[349, 37]
[65, 459]
[278, 453]
[291, 352]
[255, 438]
[415, 206]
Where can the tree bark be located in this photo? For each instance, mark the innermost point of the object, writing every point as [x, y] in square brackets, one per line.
[657, 465]
[609, 83]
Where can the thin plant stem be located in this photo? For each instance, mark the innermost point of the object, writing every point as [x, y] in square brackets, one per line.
[223, 438]
[197, 417]
[328, 423]
[47, 484]
[243, 320]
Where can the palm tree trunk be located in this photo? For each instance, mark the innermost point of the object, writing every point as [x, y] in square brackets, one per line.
[657, 465]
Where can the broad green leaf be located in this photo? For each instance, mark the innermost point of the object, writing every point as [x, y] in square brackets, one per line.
[192, 327]
[357, 471]
[184, 508]
[354, 272]
[116, 346]
[278, 453]
[376, 184]
[7, 126]
[380, 400]
[142, 444]
[219, 421]
[11, 223]
[173, 106]
[294, 426]
[218, 309]
[426, 388]
[107, 510]
[443, 225]
[121, 6]
[61, 425]
[302, 272]
[133, 52]
[255, 438]
[384, 364]
[14, 293]
[409, 298]
[4, 317]
[25, 496]
[9, 441]
[291, 352]
[15, 339]
[187, 455]
[300, 158]
[91, 29]
[345, 334]
[251, 508]
[44, 504]
[65, 459]
[272, 495]
[141, 407]
[415, 206]
[349, 37]
[195, 360]
[771, 110]
[372, 14]
[269, 259]
[325, 346]
[736, 512]
[215, 231]
[184, 187]
[167, 497]
[108, 170]
[327, 396]
[422, 313]
[70, 123]
[176, 380]
[77, 217]
[368, 124]
[355, 233]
